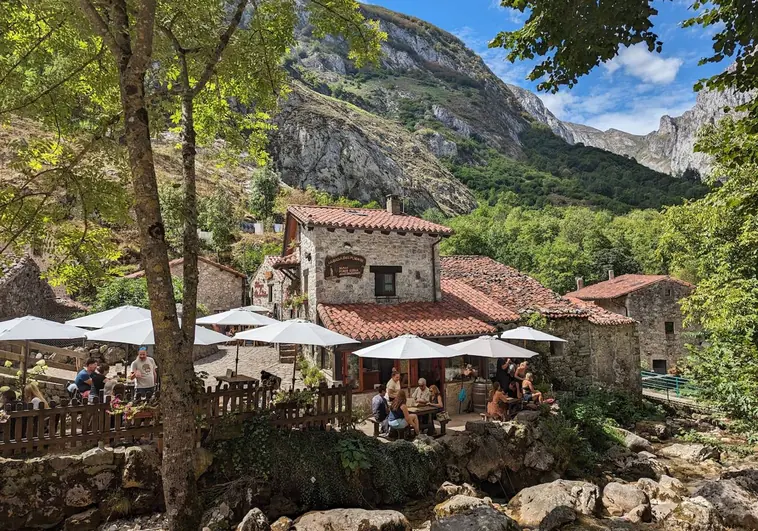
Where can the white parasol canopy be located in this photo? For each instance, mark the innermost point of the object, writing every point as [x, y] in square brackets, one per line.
[407, 347]
[529, 334]
[237, 317]
[112, 317]
[296, 332]
[256, 309]
[141, 333]
[492, 347]
[31, 328]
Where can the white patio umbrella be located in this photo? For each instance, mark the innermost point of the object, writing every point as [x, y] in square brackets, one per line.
[141, 333]
[237, 317]
[492, 347]
[113, 317]
[31, 328]
[296, 332]
[407, 347]
[529, 334]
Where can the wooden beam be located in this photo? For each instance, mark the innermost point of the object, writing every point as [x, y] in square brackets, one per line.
[47, 348]
[50, 363]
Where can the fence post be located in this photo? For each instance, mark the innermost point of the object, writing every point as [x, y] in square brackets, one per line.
[676, 381]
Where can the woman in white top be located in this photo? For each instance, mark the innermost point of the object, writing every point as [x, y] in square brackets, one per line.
[33, 395]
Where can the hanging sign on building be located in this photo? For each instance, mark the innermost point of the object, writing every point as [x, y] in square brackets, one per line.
[344, 265]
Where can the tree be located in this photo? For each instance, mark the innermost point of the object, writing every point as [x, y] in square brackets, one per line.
[93, 60]
[264, 188]
[219, 216]
[121, 291]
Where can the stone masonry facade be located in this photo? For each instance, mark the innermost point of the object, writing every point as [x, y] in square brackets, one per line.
[416, 256]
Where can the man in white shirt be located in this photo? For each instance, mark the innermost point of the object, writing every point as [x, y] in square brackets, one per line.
[422, 394]
[144, 371]
[393, 386]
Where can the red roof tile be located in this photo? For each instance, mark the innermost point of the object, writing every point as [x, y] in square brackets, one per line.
[284, 262]
[270, 261]
[465, 298]
[620, 286]
[377, 322]
[180, 261]
[364, 218]
[601, 316]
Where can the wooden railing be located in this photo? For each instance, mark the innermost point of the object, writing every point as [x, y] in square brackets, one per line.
[72, 424]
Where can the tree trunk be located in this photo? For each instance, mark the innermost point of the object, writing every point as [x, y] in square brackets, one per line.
[176, 369]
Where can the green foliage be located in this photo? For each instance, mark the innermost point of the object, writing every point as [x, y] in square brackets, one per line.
[742, 450]
[131, 291]
[311, 375]
[714, 241]
[556, 244]
[567, 444]
[249, 252]
[218, 215]
[171, 197]
[264, 188]
[353, 455]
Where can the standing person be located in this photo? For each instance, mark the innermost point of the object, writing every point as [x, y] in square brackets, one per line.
[399, 416]
[502, 375]
[144, 373]
[83, 379]
[380, 409]
[421, 395]
[33, 395]
[100, 377]
[393, 386]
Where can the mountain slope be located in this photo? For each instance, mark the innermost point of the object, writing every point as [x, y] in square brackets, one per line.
[380, 129]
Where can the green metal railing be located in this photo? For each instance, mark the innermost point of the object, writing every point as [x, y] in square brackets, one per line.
[668, 384]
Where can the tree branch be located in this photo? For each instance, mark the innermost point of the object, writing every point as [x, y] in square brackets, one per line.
[30, 50]
[343, 17]
[223, 42]
[101, 27]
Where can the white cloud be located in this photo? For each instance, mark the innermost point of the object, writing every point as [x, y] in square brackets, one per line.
[559, 104]
[639, 62]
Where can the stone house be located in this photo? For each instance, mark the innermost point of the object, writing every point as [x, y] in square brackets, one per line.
[219, 287]
[23, 291]
[653, 301]
[375, 274]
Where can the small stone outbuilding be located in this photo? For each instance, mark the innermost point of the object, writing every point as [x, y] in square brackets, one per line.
[219, 287]
[653, 301]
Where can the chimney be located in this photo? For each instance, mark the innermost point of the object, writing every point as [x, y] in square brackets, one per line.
[394, 206]
[611, 276]
[579, 283]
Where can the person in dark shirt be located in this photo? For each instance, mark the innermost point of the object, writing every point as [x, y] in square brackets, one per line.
[380, 409]
[501, 375]
[99, 377]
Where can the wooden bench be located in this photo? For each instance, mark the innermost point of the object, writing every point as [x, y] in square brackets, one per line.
[399, 433]
[376, 423]
[443, 424]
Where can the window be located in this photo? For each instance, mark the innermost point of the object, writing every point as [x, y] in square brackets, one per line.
[668, 292]
[270, 293]
[384, 280]
[659, 366]
[669, 329]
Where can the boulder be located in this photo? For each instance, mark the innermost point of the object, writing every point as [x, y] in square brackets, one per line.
[459, 504]
[484, 518]
[79, 495]
[619, 498]
[550, 505]
[539, 458]
[641, 513]
[142, 466]
[658, 492]
[693, 514]
[735, 497]
[448, 490]
[85, 521]
[254, 520]
[662, 510]
[528, 415]
[282, 524]
[633, 441]
[673, 484]
[647, 428]
[352, 520]
[202, 461]
[640, 465]
[218, 518]
[98, 457]
[694, 452]
[114, 355]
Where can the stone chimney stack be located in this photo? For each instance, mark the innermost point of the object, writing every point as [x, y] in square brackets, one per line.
[611, 275]
[579, 283]
[394, 205]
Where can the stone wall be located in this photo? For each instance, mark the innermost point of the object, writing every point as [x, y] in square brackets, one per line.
[218, 290]
[652, 307]
[23, 292]
[265, 280]
[416, 254]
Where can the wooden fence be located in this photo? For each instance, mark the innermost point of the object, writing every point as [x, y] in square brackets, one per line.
[72, 424]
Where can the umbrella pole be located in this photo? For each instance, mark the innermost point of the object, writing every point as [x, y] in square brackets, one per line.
[294, 366]
[237, 358]
[25, 351]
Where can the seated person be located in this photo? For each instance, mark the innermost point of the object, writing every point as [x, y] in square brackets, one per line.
[520, 372]
[421, 395]
[100, 377]
[514, 393]
[530, 395]
[379, 408]
[393, 386]
[435, 397]
[399, 416]
[496, 405]
[83, 379]
[33, 395]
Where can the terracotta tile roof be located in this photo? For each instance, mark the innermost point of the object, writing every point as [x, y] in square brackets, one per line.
[180, 261]
[270, 261]
[465, 298]
[377, 322]
[284, 262]
[365, 219]
[507, 286]
[601, 316]
[620, 286]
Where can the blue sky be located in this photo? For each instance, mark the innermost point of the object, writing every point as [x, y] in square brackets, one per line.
[630, 93]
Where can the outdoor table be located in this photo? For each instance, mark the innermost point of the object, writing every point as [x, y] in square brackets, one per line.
[237, 380]
[424, 411]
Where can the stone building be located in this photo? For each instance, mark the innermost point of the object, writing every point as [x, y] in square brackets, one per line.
[653, 301]
[219, 287]
[23, 291]
[375, 274]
